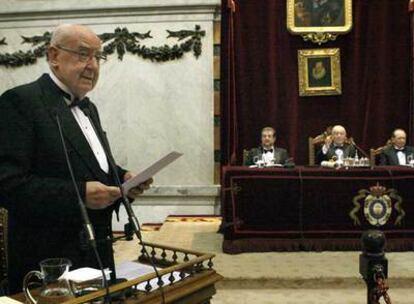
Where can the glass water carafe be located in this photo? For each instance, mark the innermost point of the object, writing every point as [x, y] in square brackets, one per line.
[55, 288]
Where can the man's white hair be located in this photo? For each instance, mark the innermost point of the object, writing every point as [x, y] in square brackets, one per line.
[338, 128]
[62, 33]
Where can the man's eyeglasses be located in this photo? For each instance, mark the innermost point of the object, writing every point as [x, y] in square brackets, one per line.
[84, 54]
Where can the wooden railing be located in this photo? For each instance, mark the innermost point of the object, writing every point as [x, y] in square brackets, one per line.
[195, 271]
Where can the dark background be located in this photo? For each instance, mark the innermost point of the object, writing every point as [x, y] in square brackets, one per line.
[259, 78]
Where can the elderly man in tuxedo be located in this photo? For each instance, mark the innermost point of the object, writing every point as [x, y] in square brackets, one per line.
[335, 146]
[44, 215]
[268, 152]
[398, 153]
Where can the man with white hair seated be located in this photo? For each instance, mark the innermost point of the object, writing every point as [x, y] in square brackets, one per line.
[335, 146]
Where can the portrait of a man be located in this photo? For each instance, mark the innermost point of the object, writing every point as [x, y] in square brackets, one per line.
[319, 72]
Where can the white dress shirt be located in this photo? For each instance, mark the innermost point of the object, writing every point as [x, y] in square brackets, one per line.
[86, 127]
[402, 159]
[268, 157]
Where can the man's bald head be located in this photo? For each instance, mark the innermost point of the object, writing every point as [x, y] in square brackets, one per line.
[338, 128]
[73, 57]
[338, 134]
[399, 138]
[66, 33]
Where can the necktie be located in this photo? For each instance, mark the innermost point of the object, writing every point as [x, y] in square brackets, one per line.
[265, 150]
[81, 103]
[75, 102]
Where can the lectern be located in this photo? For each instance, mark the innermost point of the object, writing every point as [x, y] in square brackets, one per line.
[190, 279]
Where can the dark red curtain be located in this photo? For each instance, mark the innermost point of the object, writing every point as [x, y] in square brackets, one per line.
[261, 87]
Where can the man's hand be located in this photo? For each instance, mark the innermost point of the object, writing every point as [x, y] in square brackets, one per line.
[100, 196]
[328, 140]
[134, 192]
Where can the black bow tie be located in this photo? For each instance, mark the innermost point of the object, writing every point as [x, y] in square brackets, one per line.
[338, 147]
[81, 103]
[75, 102]
[399, 150]
[265, 150]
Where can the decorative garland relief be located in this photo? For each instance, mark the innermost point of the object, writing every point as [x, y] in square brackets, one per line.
[120, 41]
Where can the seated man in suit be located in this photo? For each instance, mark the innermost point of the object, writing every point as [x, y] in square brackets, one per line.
[267, 151]
[335, 146]
[397, 153]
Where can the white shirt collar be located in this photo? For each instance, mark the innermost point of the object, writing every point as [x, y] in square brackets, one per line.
[62, 86]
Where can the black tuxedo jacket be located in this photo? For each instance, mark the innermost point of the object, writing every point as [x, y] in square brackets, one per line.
[281, 156]
[44, 216]
[389, 157]
[349, 151]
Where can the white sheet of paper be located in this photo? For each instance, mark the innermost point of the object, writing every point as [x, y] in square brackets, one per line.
[133, 270]
[267, 166]
[85, 274]
[149, 172]
[7, 300]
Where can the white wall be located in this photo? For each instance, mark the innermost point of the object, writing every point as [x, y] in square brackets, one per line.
[148, 109]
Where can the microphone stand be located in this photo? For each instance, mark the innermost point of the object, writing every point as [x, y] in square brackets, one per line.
[359, 148]
[134, 223]
[88, 228]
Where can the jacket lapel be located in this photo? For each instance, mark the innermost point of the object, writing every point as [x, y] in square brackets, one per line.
[346, 150]
[56, 105]
[276, 156]
[394, 157]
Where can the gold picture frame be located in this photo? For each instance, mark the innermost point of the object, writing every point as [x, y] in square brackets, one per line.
[319, 72]
[319, 20]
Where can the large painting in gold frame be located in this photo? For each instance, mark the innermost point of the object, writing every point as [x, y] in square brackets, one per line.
[319, 72]
[319, 20]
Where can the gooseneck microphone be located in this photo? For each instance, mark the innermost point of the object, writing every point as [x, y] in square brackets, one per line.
[133, 220]
[358, 148]
[88, 228]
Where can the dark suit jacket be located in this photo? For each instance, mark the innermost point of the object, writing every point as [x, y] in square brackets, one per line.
[280, 155]
[349, 151]
[389, 157]
[44, 216]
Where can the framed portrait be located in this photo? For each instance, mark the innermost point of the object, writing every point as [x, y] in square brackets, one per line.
[319, 20]
[319, 72]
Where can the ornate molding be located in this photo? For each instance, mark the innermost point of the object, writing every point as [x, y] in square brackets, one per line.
[120, 41]
[319, 38]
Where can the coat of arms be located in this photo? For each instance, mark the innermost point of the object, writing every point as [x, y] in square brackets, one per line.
[379, 203]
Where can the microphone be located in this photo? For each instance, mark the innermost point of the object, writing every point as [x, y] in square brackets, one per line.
[358, 148]
[133, 220]
[88, 227]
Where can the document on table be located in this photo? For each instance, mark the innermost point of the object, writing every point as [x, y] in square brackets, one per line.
[7, 300]
[85, 274]
[132, 270]
[150, 171]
